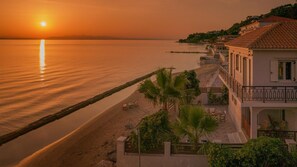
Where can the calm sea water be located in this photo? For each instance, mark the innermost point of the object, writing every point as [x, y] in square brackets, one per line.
[39, 77]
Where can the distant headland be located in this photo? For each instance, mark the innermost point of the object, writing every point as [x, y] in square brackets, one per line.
[287, 11]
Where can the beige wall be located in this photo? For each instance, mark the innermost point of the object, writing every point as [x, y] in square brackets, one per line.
[261, 67]
[242, 53]
[291, 117]
[235, 110]
[158, 160]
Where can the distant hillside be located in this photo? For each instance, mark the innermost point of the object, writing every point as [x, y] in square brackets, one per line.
[288, 11]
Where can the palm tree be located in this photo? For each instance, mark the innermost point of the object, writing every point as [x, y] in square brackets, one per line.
[192, 87]
[194, 122]
[166, 89]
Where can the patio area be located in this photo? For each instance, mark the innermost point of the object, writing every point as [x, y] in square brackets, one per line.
[279, 123]
[226, 131]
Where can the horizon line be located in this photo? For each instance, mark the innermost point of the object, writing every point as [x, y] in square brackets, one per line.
[82, 38]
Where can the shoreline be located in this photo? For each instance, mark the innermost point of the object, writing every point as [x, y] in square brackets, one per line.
[14, 151]
[93, 141]
[69, 146]
[68, 110]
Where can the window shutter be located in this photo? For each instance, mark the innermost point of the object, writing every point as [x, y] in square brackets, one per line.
[295, 70]
[274, 70]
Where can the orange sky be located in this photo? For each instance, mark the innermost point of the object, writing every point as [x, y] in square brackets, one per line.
[168, 19]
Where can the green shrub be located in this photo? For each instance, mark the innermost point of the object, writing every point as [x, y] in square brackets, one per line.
[215, 99]
[225, 95]
[260, 152]
[219, 156]
[154, 131]
[293, 159]
[264, 151]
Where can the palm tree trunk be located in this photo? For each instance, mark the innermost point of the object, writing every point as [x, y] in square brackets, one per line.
[165, 106]
[196, 140]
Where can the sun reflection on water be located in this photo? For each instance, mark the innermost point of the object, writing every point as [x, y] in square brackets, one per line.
[42, 58]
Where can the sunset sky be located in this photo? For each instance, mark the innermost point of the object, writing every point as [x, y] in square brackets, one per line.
[166, 19]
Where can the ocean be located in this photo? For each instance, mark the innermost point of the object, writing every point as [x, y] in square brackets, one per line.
[41, 77]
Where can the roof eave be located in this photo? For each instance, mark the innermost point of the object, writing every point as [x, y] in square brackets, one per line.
[236, 46]
[287, 49]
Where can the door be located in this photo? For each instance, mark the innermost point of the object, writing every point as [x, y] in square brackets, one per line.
[245, 72]
[246, 121]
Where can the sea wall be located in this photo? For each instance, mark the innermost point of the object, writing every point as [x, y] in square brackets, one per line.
[66, 111]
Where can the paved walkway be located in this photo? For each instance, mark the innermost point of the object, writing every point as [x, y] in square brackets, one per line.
[225, 128]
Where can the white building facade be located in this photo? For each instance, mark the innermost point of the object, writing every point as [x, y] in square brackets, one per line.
[262, 81]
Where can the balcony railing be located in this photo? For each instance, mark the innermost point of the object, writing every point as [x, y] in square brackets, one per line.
[270, 93]
[260, 93]
[278, 134]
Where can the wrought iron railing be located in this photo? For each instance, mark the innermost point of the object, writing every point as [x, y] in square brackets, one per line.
[270, 93]
[278, 134]
[231, 82]
[259, 93]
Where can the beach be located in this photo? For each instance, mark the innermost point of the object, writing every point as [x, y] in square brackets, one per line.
[91, 143]
[96, 140]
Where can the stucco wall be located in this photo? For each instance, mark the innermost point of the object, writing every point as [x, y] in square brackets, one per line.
[238, 74]
[261, 67]
[291, 117]
[235, 111]
[158, 160]
[132, 160]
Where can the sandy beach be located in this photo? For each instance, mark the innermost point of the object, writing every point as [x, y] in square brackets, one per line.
[91, 143]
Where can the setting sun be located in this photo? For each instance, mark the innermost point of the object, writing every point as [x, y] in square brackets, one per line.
[43, 24]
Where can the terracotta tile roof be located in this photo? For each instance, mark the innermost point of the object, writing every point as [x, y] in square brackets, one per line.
[273, 36]
[275, 19]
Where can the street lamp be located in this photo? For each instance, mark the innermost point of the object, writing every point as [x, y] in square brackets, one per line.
[139, 158]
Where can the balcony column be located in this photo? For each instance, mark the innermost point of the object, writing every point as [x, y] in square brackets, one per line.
[254, 122]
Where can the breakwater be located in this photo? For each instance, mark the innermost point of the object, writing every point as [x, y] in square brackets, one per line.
[66, 111]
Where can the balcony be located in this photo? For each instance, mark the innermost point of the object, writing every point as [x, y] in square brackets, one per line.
[283, 94]
[278, 134]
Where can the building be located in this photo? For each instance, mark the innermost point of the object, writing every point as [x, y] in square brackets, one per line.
[226, 38]
[262, 81]
[263, 22]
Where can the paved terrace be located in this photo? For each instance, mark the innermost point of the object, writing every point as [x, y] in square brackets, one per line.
[226, 131]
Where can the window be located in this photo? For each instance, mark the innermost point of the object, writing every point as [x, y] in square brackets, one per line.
[285, 70]
[237, 62]
[240, 63]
